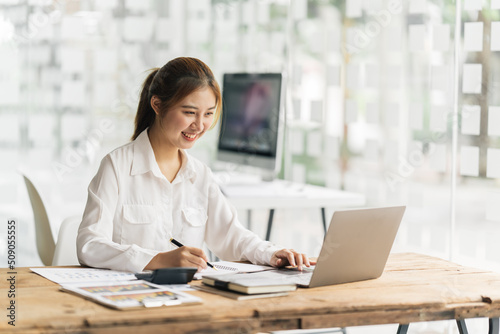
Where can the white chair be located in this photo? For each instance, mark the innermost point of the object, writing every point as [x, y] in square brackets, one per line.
[62, 253]
[65, 252]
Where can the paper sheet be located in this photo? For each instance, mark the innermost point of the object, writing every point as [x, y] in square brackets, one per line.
[80, 275]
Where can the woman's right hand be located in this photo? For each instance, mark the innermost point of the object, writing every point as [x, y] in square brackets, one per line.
[181, 257]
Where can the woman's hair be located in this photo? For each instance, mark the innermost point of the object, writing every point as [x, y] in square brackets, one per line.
[173, 82]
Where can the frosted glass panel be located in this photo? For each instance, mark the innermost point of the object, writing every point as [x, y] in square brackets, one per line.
[471, 117]
[493, 165]
[437, 158]
[73, 127]
[372, 114]
[417, 6]
[41, 129]
[472, 78]
[440, 77]
[494, 121]
[9, 128]
[72, 60]
[392, 115]
[10, 92]
[351, 111]
[441, 37]
[473, 36]
[105, 61]
[416, 116]
[72, 93]
[495, 36]
[372, 76]
[352, 80]
[492, 207]
[314, 144]
[371, 150]
[495, 4]
[473, 4]
[438, 118]
[297, 142]
[72, 28]
[353, 8]
[417, 37]
[299, 173]
[138, 29]
[469, 160]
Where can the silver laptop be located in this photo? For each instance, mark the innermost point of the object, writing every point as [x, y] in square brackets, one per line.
[356, 248]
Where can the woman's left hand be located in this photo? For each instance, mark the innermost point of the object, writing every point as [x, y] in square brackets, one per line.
[289, 257]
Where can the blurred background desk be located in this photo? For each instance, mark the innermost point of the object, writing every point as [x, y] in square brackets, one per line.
[281, 194]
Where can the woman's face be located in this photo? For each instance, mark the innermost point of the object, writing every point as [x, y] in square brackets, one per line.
[183, 124]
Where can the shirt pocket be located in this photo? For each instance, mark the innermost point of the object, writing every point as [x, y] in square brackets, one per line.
[140, 224]
[194, 217]
[193, 226]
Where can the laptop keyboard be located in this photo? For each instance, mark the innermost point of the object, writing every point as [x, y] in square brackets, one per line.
[293, 276]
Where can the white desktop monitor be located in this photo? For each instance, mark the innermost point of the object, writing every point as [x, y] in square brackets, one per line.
[252, 121]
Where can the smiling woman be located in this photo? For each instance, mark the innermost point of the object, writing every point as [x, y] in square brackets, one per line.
[151, 190]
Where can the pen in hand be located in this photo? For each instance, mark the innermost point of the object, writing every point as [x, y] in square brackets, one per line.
[178, 244]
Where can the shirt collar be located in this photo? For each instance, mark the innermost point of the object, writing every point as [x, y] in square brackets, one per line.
[144, 160]
[187, 171]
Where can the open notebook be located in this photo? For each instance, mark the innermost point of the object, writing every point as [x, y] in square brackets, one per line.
[226, 267]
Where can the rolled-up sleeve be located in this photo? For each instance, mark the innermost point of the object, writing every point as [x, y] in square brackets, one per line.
[95, 245]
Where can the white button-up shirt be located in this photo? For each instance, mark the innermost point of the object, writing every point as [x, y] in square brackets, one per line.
[133, 210]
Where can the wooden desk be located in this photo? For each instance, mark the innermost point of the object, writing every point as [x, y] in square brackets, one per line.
[413, 288]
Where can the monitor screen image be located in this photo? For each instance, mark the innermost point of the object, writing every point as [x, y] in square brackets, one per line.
[251, 119]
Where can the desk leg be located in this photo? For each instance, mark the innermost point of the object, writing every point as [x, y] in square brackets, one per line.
[323, 217]
[462, 327]
[494, 326]
[403, 329]
[269, 224]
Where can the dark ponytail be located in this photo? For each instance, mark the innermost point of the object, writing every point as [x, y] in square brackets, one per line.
[171, 84]
[145, 116]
